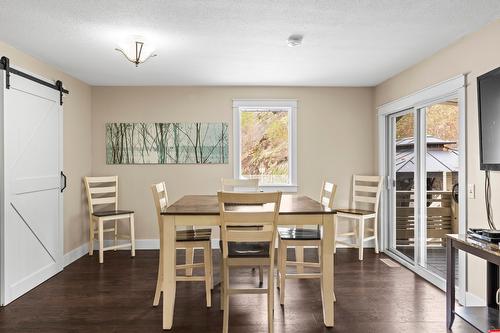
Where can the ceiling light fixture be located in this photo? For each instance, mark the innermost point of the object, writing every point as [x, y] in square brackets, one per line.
[295, 40]
[137, 52]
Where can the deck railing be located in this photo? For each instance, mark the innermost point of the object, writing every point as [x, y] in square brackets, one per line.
[441, 219]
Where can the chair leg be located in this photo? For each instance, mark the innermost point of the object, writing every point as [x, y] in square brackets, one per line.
[91, 237]
[279, 264]
[261, 275]
[319, 254]
[222, 285]
[189, 260]
[211, 263]
[335, 220]
[270, 296]
[101, 240]
[225, 320]
[375, 233]
[156, 300]
[282, 275]
[132, 234]
[299, 256]
[208, 281]
[361, 235]
[116, 234]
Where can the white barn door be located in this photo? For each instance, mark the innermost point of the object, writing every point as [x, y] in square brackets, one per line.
[32, 206]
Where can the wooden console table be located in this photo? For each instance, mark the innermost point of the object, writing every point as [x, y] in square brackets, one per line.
[481, 318]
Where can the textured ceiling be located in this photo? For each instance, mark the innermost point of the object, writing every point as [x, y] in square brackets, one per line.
[240, 42]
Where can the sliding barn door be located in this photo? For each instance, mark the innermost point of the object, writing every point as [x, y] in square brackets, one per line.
[32, 234]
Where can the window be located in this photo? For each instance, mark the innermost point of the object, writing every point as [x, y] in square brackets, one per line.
[265, 143]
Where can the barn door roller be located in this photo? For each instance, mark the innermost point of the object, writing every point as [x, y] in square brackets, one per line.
[5, 65]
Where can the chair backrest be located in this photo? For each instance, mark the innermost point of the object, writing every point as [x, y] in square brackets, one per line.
[239, 185]
[101, 192]
[161, 199]
[161, 202]
[366, 192]
[260, 215]
[327, 195]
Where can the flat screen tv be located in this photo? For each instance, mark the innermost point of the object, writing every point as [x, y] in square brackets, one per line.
[488, 92]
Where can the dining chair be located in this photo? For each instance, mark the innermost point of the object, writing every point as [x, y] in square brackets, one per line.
[242, 185]
[102, 198]
[365, 201]
[186, 240]
[242, 246]
[300, 237]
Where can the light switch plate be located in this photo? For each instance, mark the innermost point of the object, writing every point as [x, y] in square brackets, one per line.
[471, 191]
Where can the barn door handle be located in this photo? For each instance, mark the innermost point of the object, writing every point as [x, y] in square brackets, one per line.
[64, 181]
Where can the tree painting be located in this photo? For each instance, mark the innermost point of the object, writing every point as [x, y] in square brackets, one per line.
[167, 143]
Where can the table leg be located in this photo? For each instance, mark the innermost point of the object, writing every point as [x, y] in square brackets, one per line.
[492, 285]
[450, 283]
[168, 256]
[327, 278]
[299, 257]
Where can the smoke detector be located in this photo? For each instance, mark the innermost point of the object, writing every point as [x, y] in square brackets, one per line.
[295, 40]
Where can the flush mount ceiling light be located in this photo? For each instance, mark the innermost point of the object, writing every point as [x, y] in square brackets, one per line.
[295, 40]
[137, 51]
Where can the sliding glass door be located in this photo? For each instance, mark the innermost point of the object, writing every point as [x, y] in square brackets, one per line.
[423, 165]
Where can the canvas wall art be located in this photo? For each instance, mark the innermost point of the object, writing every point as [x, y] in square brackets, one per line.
[167, 143]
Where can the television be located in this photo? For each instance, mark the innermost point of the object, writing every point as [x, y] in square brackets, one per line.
[488, 92]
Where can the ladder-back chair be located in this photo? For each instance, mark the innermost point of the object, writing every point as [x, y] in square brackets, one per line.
[187, 240]
[365, 201]
[300, 237]
[239, 185]
[242, 185]
[235, 217]
[102, 197]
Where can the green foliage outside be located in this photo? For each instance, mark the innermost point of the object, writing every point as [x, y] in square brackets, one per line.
[264, 146]
[441, 122]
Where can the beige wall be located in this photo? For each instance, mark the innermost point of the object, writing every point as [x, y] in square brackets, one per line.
[335, 136]
[475, 54]
[77, 113]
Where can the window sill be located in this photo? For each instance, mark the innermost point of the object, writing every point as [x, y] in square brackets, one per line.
[282, 188]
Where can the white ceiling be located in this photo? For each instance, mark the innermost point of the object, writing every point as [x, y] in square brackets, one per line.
[240, 42]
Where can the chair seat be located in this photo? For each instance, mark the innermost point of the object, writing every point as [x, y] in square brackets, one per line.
[299, 234]
[193, 235]
[247, 249]
[356, 211]
[112, 213]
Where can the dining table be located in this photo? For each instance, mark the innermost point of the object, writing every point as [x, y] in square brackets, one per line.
[203, 210]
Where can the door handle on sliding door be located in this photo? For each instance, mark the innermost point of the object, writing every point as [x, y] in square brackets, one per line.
[64, 181]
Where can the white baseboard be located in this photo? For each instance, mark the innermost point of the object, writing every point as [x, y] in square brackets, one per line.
[154, 244]
[75, 254]
[144, 244]
[473, 300]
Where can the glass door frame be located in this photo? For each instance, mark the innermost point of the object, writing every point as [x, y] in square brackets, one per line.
[391, 181]
[453, 88]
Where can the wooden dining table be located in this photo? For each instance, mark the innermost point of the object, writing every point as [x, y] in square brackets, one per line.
[203, 210]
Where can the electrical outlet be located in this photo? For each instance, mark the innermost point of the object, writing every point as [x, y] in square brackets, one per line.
[471, 191]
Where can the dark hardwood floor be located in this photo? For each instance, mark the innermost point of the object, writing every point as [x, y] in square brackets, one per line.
[117, 297]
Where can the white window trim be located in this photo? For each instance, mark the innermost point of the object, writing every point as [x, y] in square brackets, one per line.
[289, 104]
